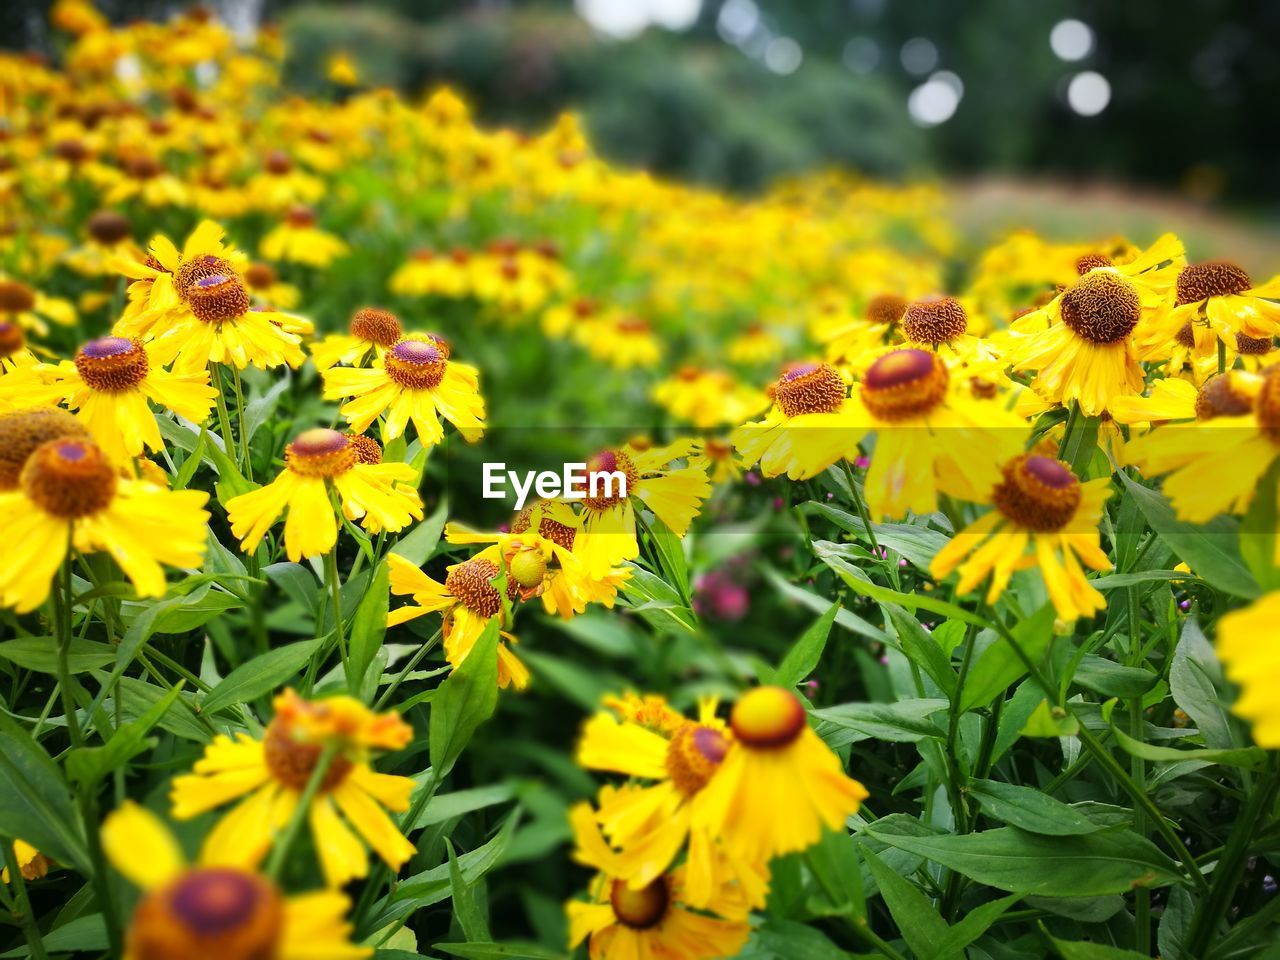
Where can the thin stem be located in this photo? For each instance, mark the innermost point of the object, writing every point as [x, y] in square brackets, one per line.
[408, 667]
[62, 605]
[335, 599]
[860, 506]
[224, 421]
[26, 919]
[246, 464]
[290, 833]
[101, 881]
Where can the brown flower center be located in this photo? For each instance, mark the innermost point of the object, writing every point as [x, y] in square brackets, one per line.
[472, 583]
[693, 755]
[367, 449]
[1221, 397]
[260, 276]
[1253, 346]
[934, 321]
[610, 494]
[416, 364]
[112, 364]
[640, 909]
[1091, 261]
[12, 339]
[1268, 404]
[320, 453]
[1102, 307]
[16, 297]
[886, 309]
[1038, 493]
[1199, 281]
[69, 478]
[377, 326]
[300, 217]
[109, 227]
[905, 383]
[558, 533]
[1186, 336]
[809, 388]
[218, 912]
[218, 297]
[292, 759]
[22, 432]
[197, 268]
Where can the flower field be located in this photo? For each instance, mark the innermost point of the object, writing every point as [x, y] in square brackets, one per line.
[931, 607]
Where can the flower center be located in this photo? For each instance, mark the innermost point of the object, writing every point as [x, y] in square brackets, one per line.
[717, 449]
[693, 755]
[809, 388]
[767, 717]
[277, 162]
[416, 364]
[472, 583]
[1091, 261]
[934, 321]
[16, 297]
[21, 433]
[886, 309]
[640, 909]
[1037, 493]
[905, 383]
[367, 449]
[69, 478]
[1221, 397]
[1199, 281]
[12, 339]
[218, 297]
[300, 217]
[109, 227]
[1102, 307]
[561, 534]
[292, 758]
[260, 276]
[1268, 404]
[197, 268]
[1253, 346]
[320, 453]
[610, 494]
[1186, 336]
[112, 364]
[376, 326]
[212, 912]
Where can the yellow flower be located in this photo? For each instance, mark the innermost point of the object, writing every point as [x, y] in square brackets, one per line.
[1215, 302]
[754, 345]
[32, 864]
[1080, 344]
[428, 273]
[654, 921]
[413, 381]
[32, 310]
[622, 343]
[466, 601]
[1246, 645]
[14, 354]
[779, 785]
[1228, 394]
[69, 494]
[298, 240]
[267, 289]
[674, 494]
[341, 69]
[218, 907]
[271, 775]
[110, 383]
[717, 458]
[373, 332]
[380, 495]
[1044, 517]
[708, 398]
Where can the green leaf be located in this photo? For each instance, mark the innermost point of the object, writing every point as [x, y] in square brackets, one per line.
[88, 765]
[466, 906]
[138, 696]
[259, 410]
[1250, 758]
[41, 654]
[922, 649]
[844, 618]
[1049, 721]
[36, 800]
[1083, 950]
[975, 923]
[1258, 531]
[1011, 859]
[87, 934]
[917, 544]
[999, 666]
[1029, 809]
[446, 806]
[499, 951]
[658, 602]
[368, 628]
[903, 722]
[917, 919]
[1112, 679]
[803, 657]
[787, 940]
[1175, 924]
[670, 550]
[260, 675]
[420, 543]
[830, 554]
[1194, 676]
[1079, 443]
[465, 699]
[834, 860]
[1211, 550]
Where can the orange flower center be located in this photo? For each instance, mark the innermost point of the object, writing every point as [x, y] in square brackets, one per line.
[69, 478]
[109, 227]
[21, 433]
[605, 462]
[300, 217]
[292, 758]
[260, 276]
[1091, 261]
[1199, 281]
[1268, 405]
[640, 909]
[217, 912]
[1102, 307]
[472, 584]
[320, 453]
[886, 309]
[12, 339]
[218, 297]
[934, 321]
[905, 383]
[1253, 346]
[206, 265]
[558, 533]
[366, 448]
[416, 364]
[16, 297]
[1038, 493]
[112, 364]
[767, 717]
[1221, 397]
[693, 755]
[378, 326]
[809, 388]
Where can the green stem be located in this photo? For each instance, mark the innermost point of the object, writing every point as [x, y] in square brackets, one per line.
[335, 599]
[860, 506]
[246, 464]
[224, 420]
[26, 919]
[62, 605]
[408, 668]
[290, 833]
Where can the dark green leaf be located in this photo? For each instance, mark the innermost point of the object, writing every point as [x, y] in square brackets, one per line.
[1029, 809]
[368, 627]
[260, 675]
[465, 699]
[999, 666]
[36, 801]
[917, 919]
[922, 649]
[41, 654]
[88, 765]
[803, 657]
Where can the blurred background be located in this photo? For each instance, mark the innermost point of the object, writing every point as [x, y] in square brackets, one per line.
[1133, 113]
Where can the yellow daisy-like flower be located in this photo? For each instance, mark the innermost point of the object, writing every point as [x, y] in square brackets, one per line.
[654, 921]
[853, 341]
[70, 493]
[1225, 395]
[645, 477]
[779, 786]
[467, 600]
[14, 354]
[380, 495]
[110, 236]
[1081, 344]
[218, 907]
[1216, 302]
[266, 288]
[428, 273]
[622, 343]
[414, 381]
[372, 332]
[30, 309]
[110, 384]
[717, 458]
[1044, 517]
[271, 775]
[32, 864]
[708, 398]
[1246, 646]
[754, 345]
[298, 240]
